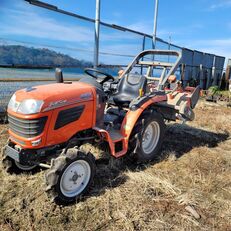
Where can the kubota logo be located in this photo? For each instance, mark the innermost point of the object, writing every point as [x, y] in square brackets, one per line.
[56, 103]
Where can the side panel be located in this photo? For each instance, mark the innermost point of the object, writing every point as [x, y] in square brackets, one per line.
[197, 60]
[64, 133]
[219, 65]
[187, 59]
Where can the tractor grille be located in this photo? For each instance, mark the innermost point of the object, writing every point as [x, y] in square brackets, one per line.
[26, 128]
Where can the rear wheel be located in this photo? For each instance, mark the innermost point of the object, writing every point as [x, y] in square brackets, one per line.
[70, 176]
[147, 136]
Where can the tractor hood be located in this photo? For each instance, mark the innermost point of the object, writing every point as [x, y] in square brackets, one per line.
[55, 95]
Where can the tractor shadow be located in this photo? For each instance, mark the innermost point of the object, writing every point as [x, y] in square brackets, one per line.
[179, 139]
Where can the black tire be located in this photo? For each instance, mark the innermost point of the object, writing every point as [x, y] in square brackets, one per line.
[11, 166]
[56, 174]
[136, 143]
[8, 165]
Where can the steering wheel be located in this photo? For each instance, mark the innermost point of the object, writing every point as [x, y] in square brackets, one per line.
[93, 73]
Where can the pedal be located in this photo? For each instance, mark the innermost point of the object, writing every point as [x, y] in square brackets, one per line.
[181, 118]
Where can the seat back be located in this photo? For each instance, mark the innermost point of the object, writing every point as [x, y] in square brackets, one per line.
[131, 86]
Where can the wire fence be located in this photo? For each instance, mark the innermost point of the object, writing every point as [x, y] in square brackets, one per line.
[118, 46]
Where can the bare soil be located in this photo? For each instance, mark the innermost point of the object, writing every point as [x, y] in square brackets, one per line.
[194, 169]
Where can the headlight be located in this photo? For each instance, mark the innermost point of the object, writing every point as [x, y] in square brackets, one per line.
[30, 106]
[13, 104]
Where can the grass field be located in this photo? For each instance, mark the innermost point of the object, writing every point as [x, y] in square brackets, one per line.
[194, 169]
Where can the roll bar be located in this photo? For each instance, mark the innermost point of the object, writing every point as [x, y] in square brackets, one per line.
[139, 60]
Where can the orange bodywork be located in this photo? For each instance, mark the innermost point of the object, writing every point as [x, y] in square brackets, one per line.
[132, 116]
[57, 97]
[128, 125]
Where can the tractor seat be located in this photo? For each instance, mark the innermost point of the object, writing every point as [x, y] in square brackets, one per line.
[129, 89]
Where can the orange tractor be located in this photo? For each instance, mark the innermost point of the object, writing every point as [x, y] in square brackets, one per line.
[48, 124]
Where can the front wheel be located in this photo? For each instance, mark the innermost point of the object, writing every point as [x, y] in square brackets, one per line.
[70, 176]
[25, 168]
[147, 136]
[12, 166]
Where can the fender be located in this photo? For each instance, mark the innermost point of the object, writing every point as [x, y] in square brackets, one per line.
[132, 117]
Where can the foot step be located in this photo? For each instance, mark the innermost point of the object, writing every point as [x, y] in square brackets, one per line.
[115, 135]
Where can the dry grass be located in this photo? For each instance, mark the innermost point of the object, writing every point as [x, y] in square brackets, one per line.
[194, 169]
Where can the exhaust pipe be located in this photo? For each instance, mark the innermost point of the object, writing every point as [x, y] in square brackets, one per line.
[58, 75]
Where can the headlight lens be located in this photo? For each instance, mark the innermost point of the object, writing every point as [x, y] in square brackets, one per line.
[13, 104]
[28, 106]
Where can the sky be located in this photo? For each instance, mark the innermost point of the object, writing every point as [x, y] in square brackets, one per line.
[203, 25]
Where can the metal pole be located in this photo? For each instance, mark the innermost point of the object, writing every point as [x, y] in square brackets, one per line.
[97, 31]
[143, 48]
[169, 45]
[155, 24]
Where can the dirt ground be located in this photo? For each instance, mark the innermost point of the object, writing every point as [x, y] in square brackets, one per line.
[194, 169]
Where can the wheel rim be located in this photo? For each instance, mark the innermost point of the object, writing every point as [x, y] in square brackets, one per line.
[150, 137]
[75, 178]
[24, 167]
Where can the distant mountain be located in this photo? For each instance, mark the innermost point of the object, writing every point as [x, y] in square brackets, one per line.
[21, 55]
